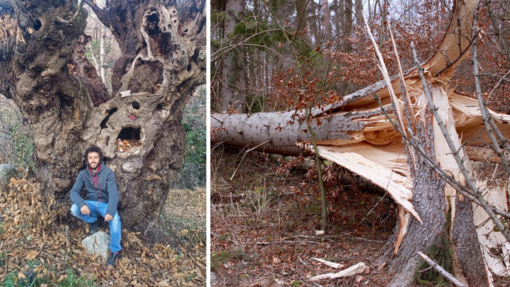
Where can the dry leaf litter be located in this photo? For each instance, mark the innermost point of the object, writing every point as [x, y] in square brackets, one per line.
[29, 231]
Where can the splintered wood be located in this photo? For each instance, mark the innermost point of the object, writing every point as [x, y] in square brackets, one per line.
[376, 150]
[381, 173]
[493, 243]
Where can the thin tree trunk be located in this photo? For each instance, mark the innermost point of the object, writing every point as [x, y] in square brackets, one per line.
[359, 12]
[302, 17]
[347, 25]
[233, 68]
[327, 20]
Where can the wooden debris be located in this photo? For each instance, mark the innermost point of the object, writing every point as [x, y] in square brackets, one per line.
[489, 237]
[330, 264]
[351, 271]
[398, 186]
[286, 242]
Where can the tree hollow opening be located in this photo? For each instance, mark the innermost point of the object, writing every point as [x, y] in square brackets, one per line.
[153, 21]
[110, 113]
[37, 25]
[129, 134]
[128, 137]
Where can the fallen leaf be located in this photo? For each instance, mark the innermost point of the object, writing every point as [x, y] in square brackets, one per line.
[31, 255]
[61, 278]
[163, 283]
[276, 260]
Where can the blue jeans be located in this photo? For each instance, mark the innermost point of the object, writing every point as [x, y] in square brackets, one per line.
[99, 209]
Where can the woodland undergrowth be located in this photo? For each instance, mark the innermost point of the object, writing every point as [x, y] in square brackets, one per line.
[265, 213]
[38, 249]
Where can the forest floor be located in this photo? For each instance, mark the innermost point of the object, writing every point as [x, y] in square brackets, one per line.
[263, 227]
[35, 250]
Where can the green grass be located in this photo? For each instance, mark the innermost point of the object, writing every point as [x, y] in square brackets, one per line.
[31, 280]
[219, 258]
[3, 255]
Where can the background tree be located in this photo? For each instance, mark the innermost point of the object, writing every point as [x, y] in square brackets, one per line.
[233, 84]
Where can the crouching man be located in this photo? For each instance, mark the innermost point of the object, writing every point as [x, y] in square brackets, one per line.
[102, 199]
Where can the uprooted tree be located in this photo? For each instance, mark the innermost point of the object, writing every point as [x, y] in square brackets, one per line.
[43, 68]
[358, 133]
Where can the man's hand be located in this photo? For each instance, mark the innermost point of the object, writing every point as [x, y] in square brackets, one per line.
[85, 210]
[108, 218]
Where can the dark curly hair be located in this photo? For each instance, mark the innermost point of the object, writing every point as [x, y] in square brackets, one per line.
[92, 149]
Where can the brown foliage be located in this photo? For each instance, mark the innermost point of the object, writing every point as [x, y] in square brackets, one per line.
[273, 245]
[32, 232]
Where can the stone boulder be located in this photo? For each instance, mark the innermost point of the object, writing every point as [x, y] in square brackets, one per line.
[97, 243]
[7, 171]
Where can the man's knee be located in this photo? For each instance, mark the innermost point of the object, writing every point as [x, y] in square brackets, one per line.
[75, 210]
[115, 223]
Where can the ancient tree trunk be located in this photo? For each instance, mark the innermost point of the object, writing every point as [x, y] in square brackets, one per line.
[233, 72]
[45, 71]
[356, 134]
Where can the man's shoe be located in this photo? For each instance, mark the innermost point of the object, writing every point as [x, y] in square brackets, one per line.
[112, 259]
[94, 227]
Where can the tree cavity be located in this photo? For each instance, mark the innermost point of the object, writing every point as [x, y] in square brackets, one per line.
[153, 27]
[130, 134]
[110, 113]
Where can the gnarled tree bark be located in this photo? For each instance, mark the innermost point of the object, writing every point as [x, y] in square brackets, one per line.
[45, 71]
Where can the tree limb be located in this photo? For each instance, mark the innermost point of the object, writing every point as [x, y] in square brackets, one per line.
[441, 270]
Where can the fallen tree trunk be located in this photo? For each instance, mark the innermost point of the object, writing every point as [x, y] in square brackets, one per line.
[45, 71]
[355, 134]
